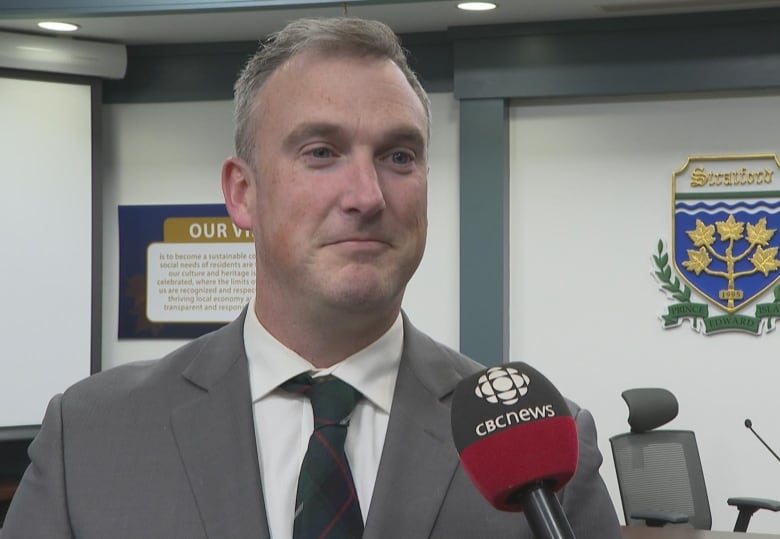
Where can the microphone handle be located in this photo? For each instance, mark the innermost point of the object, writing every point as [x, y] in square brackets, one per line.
[760, 439]
[544, 513]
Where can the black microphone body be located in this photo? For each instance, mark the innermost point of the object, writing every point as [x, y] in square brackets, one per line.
[518, 443]
[749, 425]
[544, 512]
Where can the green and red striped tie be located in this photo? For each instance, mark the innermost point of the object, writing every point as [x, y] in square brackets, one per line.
[326, 505]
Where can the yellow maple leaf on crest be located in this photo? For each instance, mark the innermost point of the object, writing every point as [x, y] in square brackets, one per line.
[702, 235]
[730, 229]
[758, 233]
[765, 260]
[697, 261]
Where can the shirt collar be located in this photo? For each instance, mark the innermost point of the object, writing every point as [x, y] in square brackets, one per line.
[372, 370]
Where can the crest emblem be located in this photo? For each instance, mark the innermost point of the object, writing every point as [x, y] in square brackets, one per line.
[725, 242]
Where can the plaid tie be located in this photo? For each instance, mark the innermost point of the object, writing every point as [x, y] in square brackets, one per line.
[326, 505]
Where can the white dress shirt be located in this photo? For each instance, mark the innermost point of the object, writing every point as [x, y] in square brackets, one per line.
[284, 422]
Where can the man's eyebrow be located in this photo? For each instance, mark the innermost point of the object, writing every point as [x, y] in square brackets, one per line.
[309, 130]
[406, 135]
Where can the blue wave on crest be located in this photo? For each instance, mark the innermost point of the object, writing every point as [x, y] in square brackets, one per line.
[720, 206]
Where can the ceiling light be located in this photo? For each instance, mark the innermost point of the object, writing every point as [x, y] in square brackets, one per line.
[477, 6]
[58, 26]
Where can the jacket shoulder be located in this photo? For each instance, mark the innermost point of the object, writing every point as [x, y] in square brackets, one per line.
[159, 381]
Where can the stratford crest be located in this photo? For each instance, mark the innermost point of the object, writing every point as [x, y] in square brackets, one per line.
[725, 218]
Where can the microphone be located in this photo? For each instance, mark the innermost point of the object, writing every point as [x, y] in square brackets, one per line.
[518, 443]
[749, 425]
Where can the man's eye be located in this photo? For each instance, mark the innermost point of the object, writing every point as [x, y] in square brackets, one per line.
[401, 158]
[321, 153]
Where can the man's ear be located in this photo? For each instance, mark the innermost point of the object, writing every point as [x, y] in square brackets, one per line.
[238, 186]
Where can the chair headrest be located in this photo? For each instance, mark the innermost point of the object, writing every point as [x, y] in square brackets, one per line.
[649, 407]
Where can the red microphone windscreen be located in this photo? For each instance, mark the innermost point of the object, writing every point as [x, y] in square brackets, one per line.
[513, 429]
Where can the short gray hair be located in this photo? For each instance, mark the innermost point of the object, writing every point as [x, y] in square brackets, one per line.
[345, 36]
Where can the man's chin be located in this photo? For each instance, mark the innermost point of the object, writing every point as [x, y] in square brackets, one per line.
[365, 297]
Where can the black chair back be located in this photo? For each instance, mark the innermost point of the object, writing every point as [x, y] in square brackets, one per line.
[660, 471]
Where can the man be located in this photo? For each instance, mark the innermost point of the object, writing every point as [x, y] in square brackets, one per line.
[330, 176]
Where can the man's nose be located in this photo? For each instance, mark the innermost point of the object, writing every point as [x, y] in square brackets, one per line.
[363, 191]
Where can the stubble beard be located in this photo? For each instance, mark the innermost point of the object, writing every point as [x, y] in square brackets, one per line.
[367, 291]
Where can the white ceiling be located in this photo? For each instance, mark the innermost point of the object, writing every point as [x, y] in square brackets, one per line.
[437, 15]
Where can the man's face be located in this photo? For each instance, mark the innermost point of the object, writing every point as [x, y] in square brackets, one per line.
[339, 201]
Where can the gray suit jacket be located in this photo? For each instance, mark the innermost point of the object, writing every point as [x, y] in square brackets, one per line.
[166, 449]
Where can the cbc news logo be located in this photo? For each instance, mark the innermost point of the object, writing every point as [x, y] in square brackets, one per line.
[502, 384]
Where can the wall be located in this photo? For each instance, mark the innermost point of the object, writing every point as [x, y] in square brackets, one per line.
[46, 233]
[172, 153]
[590, 198]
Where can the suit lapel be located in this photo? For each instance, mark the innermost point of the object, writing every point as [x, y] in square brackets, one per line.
[419, 457]
[216, 439]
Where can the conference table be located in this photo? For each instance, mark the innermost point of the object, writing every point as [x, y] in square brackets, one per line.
[641, 532]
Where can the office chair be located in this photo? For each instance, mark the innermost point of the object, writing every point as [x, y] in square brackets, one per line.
[659, 472]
